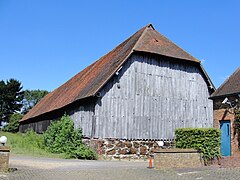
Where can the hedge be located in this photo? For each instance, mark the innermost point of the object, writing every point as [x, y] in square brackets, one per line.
[206, 140]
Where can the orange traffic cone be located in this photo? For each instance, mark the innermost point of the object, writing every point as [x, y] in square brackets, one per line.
[150, 165]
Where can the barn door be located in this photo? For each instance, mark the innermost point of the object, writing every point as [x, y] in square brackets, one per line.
[225, 127]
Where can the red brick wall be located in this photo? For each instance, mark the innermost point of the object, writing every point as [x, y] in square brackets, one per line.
[223, 115]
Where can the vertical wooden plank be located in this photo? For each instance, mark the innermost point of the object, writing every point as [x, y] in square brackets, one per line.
[155, 97]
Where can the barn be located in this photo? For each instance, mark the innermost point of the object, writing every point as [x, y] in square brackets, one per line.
[143, 89]
[226, 98]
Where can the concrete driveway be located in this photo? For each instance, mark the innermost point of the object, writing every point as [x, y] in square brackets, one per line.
[62, 169]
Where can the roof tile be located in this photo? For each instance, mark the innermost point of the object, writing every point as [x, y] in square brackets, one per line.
[229, 86]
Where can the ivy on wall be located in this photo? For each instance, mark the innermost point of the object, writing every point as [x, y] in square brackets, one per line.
[237, 122]
[206, 140]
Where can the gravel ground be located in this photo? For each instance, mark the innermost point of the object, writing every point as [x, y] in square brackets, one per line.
[29, 168]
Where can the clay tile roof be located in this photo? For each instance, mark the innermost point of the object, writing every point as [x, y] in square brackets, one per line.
[230, 86]
[88, 82]
[153, 42]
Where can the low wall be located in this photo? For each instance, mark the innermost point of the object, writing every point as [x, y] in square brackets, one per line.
[177, 158]
[4, 158]
[124, 149]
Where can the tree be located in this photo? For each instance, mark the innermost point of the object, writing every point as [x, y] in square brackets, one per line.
[11, 96]
[13, 125]
[2, 100]
[31, 98]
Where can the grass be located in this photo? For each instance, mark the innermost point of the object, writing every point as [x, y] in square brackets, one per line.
[28, 144]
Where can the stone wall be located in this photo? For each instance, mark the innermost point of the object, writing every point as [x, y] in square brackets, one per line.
[125, 149]
[177, 158]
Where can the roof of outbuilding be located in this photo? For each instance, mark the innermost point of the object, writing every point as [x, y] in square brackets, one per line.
[230, 86]
[89, 81]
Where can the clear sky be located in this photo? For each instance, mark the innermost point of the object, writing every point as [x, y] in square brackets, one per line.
[43, 43]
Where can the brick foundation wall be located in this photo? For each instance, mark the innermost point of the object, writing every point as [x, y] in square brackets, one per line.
[177, 158]
[223, 115]
[125, 149]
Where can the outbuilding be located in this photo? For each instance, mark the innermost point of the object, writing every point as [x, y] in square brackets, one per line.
[143, 89]
[226, 98]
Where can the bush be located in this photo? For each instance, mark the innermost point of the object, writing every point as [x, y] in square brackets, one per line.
[13, 125]
[207, 140]
[61, 137]
[84, 152]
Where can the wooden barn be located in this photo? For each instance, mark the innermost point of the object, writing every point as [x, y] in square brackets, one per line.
[225, 99]
[144, 88]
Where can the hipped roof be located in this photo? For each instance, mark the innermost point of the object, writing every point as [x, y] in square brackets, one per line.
[89, 81]
[230, 86]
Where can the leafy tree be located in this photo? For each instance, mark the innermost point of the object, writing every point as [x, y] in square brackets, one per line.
[31, 98]
[13, 125]
[11, 96]
[2, 100]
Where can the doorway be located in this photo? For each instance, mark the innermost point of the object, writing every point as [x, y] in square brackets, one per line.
[225, 127]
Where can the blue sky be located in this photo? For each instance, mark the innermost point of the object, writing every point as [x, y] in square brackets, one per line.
[43, 43]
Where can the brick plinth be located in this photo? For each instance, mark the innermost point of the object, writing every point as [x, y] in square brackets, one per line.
[177, 158]
[4, 158]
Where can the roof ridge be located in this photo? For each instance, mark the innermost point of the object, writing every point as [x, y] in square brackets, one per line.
[150, 25]
[142, 35]
[169, 48]
[127, 56]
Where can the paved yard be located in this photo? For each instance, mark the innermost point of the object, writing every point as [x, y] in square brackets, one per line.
[46, 168]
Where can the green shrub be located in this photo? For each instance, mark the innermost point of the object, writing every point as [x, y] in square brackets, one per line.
[61, 137]
[13, 125]
[207, 140]
[84, 152]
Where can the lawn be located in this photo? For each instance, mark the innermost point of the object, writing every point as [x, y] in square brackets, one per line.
[29, 144]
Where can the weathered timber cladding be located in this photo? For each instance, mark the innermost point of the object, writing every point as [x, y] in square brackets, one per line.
[149, 98]
[81, 113]
[83, 118]
[38, 126]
